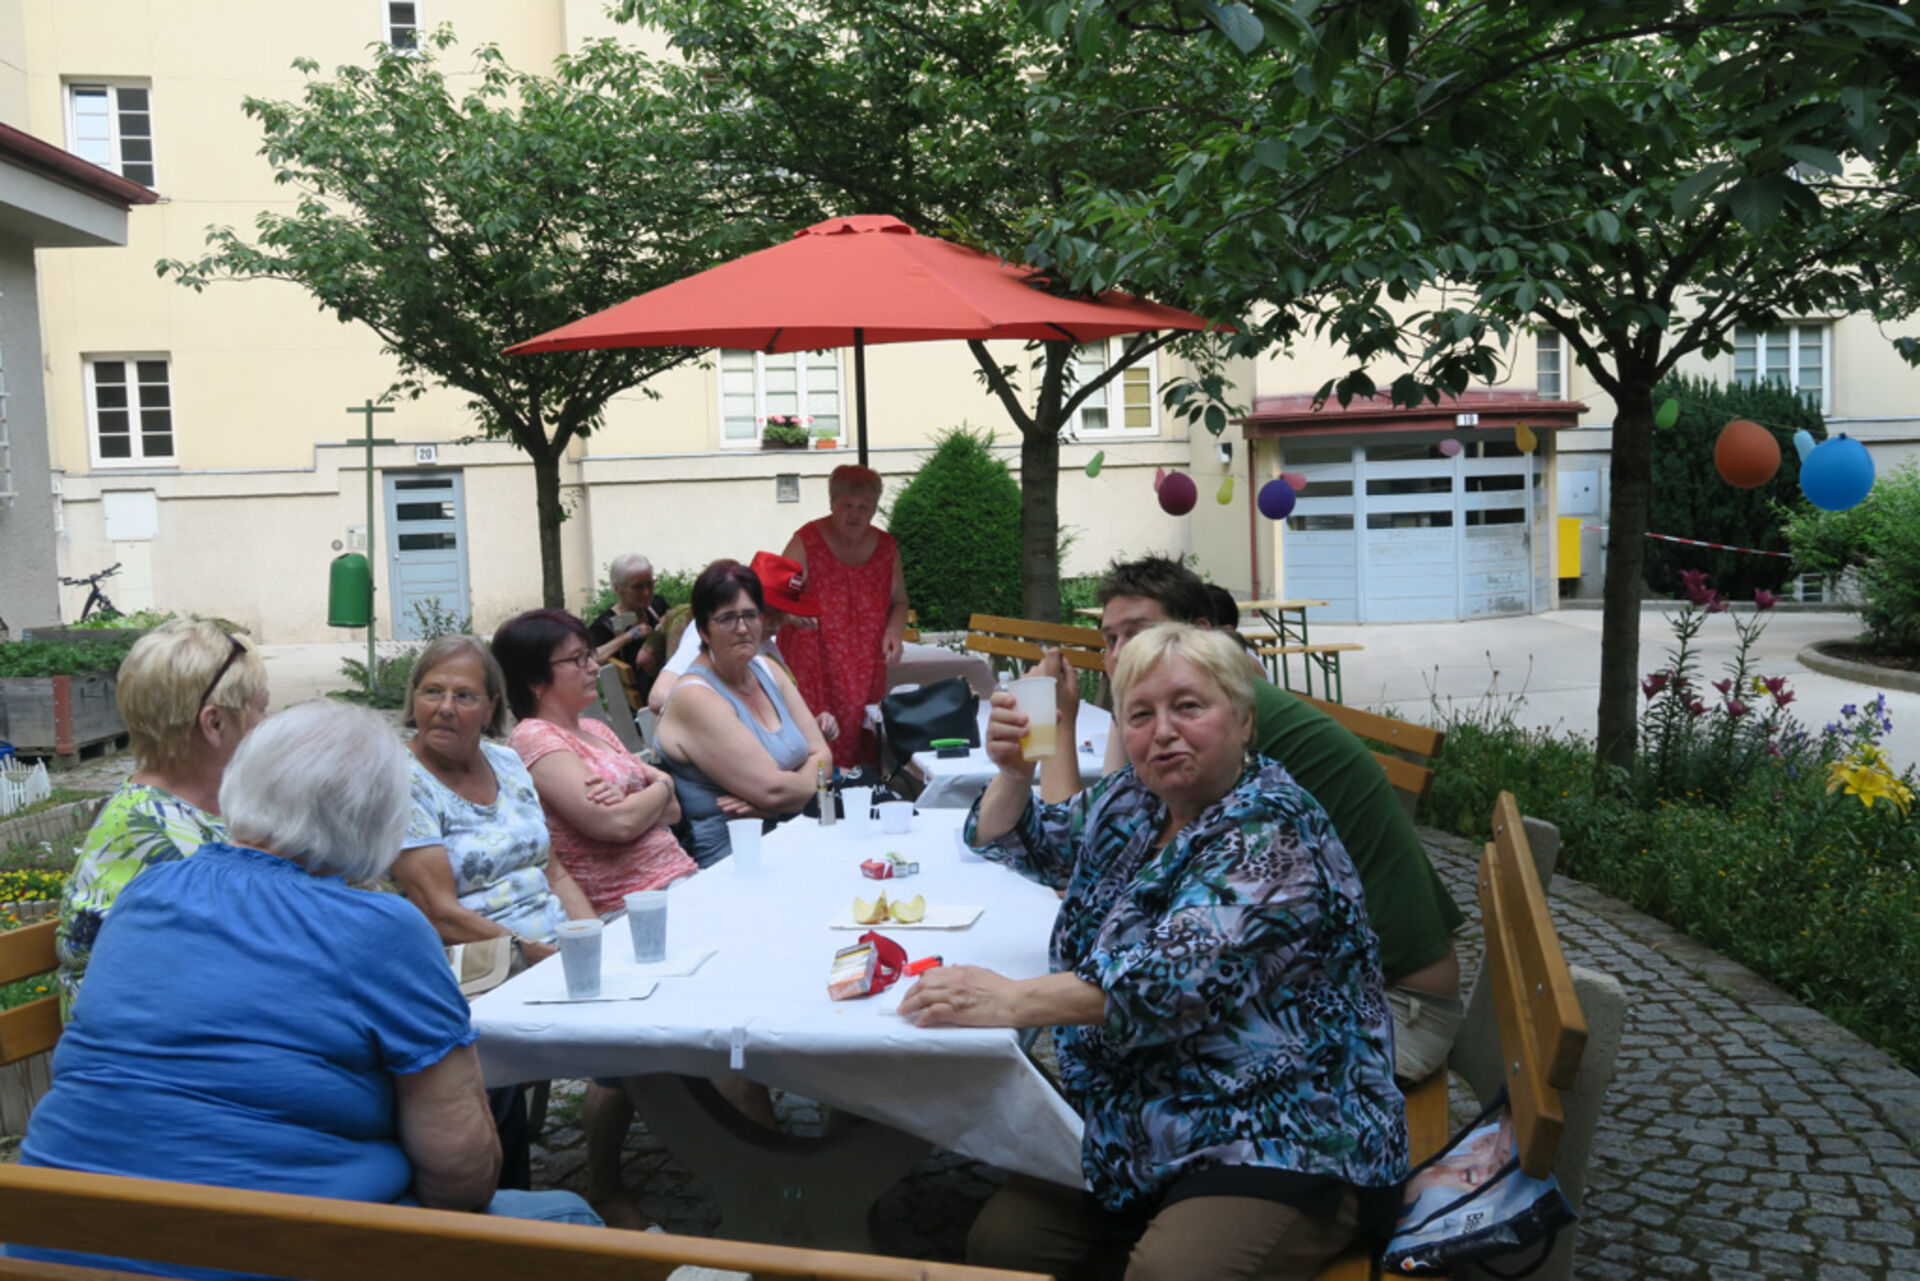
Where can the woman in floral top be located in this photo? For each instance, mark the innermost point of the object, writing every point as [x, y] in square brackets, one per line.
[1223, 1027]
[189, 692]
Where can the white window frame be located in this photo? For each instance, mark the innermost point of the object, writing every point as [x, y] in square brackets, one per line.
[822, 408]
[1549, 365]
[137, 456]
[110, 152]
[388, 26]
[1762, 343]
[1085, 423]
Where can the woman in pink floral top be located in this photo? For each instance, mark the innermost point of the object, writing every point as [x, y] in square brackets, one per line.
[607, 811]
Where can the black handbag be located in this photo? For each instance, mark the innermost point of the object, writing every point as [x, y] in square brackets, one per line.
[913, 719]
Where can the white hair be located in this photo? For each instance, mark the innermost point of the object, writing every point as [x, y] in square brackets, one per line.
[627, 568]
[325, 784]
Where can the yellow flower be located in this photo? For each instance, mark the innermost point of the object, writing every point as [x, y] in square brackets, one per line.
[1864, 774]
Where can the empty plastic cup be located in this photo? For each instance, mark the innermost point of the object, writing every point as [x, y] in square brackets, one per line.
[896, 817]
[580, 957]
[744, 833]
[856, 804]
[647, 918]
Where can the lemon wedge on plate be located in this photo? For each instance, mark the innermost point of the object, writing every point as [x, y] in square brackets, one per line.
[912, 911]
[874, 913]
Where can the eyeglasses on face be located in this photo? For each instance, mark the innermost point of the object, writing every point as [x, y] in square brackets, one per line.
[579, 660]
[464, 699]
[233, 656]
[739, 618]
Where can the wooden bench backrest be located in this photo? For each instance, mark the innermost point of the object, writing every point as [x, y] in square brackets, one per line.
[1024, 638]
[1413, 745]
[912, 631]
[33, 1028]
[1542, 1030]
[351, 1240]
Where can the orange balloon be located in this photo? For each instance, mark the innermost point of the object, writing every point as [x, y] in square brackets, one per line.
[1746, 454]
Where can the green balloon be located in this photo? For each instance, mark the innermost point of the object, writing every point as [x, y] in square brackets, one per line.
[1668, 414]
[1093, 464]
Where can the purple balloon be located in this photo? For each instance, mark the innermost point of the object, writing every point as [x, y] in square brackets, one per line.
[1276, 499]
[1178, 494]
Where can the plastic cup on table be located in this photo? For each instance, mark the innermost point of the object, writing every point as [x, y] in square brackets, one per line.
[647, 918]
[896, 817]
[580, 957]
[744, 834]
[856, 809]
[1035, 696]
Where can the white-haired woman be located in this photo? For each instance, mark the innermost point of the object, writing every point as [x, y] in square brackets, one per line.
[251, 1020]
[189, 692]
[1221, 1020]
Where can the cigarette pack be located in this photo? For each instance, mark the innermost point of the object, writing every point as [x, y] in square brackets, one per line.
[890, 868]
[852, 972]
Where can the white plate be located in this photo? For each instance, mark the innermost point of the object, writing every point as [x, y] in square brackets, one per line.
[937, 918]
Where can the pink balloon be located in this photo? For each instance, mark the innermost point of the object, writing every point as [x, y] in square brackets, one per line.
[1449, 448]
[1296, 481]
[1159, 478]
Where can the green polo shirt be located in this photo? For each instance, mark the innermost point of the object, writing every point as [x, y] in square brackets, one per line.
[1410, 909]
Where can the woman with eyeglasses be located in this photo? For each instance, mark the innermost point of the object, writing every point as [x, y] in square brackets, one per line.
[188, 692]
[737, 736]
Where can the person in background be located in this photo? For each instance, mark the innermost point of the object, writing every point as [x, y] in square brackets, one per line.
[854, 578]
[737, 738]
[189, 693]
[621, 630]
[1220, 1017]
[252, 1020]
[1410, 909]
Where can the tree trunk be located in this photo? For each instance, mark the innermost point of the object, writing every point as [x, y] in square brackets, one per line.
[1632, 479]
[1040, 519]
[546, 503]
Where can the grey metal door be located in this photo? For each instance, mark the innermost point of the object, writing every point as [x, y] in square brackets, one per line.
[426, 549]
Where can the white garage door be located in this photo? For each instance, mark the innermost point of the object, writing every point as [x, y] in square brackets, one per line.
[1389, 530]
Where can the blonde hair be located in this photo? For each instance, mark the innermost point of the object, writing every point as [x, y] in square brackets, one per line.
[162, 681]
[849, 478]
[1212, 652]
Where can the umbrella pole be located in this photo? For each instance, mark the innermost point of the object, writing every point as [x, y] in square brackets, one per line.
[860, 389]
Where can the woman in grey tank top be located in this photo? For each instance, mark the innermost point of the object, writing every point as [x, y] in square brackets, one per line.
[736, 736]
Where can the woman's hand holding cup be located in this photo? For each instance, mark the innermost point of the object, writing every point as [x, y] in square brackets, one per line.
[1006, 727]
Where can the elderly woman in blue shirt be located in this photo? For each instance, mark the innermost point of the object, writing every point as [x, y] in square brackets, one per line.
[1220, 1013]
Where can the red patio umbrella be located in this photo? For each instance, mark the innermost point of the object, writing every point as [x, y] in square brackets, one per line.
[850, 282]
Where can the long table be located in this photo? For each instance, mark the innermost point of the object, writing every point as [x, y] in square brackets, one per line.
[758, 1007]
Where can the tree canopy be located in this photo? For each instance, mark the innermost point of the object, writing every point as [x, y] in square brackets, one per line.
[454, 221]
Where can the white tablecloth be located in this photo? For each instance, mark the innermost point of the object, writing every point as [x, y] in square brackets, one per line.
[760, 1003]
[954, 781]
[924, 664]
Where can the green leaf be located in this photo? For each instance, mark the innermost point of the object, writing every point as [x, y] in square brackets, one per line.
[1757, 200]
[1237, 23]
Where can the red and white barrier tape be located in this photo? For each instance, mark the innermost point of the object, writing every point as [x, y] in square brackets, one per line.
[1695, 542]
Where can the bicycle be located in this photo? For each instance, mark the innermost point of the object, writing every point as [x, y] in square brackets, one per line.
[96, 597]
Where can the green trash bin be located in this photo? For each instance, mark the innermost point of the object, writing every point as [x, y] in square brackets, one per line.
[350, 591]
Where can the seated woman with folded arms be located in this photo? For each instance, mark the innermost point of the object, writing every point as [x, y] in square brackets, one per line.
[251, 1020]
[737, 737]
[1221, 1021]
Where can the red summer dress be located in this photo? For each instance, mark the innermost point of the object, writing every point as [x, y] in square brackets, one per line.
[839, 665]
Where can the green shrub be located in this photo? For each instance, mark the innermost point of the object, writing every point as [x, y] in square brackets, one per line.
[1880, 539]
[675, 587]
[957, 521]
[61, 658]
[1693, 502]
[393, 662]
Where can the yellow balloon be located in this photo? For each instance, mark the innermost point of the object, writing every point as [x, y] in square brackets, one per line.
[1225, 496]
[1523, 436]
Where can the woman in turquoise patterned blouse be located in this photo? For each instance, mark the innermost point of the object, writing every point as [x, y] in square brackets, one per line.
[1221, 1020]
[189, 692]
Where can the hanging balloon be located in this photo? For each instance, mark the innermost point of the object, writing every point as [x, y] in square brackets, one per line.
[1523, 436]
[1178, 493]
[1803, 443]
[1449, 448]
[1668, 414]
[1224, 495]
[1296, 480]
[1093, 464]
[1276, 499]
[1746, 454]
[1159, 478]
[1838, 474]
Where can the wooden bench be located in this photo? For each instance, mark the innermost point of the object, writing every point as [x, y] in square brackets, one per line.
[1412, 748]
[1324, 655]
[1027, 639]
[349, 1240]
[1544, 1030]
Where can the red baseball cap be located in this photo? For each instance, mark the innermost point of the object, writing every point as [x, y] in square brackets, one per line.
[781, 581]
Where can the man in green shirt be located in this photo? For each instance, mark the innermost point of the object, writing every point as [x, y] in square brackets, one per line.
[1408, 906]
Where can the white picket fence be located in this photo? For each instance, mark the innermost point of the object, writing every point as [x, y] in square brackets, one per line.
[21, 786]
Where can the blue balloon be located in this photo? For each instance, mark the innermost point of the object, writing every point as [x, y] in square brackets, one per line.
[1276, 499]
[1837, 474]
[1803, 443]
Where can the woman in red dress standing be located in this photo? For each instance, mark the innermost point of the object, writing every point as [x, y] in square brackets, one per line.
[853, 574]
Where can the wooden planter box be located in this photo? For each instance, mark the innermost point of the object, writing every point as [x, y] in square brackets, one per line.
[59, 715]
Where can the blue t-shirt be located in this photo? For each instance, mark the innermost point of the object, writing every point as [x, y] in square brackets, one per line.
[240, 1026]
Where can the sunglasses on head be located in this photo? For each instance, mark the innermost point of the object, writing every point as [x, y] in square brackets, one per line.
[233, 656]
